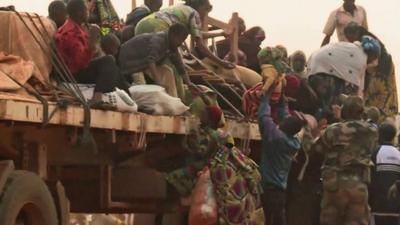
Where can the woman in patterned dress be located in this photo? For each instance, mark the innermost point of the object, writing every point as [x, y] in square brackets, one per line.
[236, 181]
[380, 84]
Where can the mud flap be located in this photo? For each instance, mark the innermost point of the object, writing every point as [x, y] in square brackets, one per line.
[6, 167]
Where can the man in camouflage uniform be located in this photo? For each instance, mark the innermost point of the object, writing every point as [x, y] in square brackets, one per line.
[347, 148]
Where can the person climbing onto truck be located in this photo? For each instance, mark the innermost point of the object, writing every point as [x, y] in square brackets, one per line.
[201, 145]
[191, 14]
[58, 13]
[77, 47]
[237, 183]
[380, 84]
[151, 52]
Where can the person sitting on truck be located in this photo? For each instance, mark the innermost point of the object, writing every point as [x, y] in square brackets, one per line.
[103, 13]
[228, 56]
[249, 42]
[137, 14]
[57, 13]
[110, 44]
[76, 47]
[150, 52]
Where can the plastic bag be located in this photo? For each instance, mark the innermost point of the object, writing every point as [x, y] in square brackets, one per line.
[204, 209]
[155, 100]
[119, 98]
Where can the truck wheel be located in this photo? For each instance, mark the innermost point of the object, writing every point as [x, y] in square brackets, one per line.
[25, 200]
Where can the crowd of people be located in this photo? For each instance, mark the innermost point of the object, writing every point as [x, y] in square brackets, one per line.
[328, 141]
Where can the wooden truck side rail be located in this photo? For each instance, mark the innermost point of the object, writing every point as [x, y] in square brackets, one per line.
[119, 177]
[12, 110]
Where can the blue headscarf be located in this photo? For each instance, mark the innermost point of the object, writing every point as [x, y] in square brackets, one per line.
[371, 45]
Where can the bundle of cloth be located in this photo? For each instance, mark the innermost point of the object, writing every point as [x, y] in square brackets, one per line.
[340, 68]
[346, 61]
[273, 76]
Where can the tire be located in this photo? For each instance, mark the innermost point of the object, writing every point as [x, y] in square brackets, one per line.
[25, 200]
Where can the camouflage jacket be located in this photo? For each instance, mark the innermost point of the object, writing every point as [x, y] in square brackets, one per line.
[348, 146]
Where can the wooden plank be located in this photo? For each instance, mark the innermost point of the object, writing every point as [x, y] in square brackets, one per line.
[6, 168]
[217, 23]
[34, 159]
[235, 37]
[134, 122]
[134, 5]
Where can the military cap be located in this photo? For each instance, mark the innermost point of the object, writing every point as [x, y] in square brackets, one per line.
[353, 104]
[373, 114]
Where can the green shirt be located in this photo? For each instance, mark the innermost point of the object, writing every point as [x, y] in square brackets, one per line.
[182, 14]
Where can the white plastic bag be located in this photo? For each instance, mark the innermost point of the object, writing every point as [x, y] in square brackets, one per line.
[154, 99]
[119, 98]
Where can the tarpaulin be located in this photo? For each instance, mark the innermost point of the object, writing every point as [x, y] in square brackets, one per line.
[14, 68]
[344, 60]
[15, 39]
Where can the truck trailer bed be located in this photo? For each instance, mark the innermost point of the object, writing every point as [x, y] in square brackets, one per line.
[32, 112]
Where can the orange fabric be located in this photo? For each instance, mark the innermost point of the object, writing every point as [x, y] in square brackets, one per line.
[18, 96]
[203, 210]
[270, 77]
[15, 39]
[16, 68]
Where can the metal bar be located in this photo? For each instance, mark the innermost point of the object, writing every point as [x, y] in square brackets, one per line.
[205, 67]
[134, 4]
[235, 37]
[224, 99]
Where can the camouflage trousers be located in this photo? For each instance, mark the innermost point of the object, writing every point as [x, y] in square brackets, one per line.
[345, 202]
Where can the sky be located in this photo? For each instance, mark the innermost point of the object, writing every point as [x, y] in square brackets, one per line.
[297, 24]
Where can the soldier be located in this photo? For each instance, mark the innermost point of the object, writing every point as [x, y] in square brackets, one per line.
[347, 148]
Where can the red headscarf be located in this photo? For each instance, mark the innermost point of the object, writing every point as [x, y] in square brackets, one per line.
[214, 115]
[292, 86]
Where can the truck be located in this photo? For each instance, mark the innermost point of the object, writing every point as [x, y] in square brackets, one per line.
[47, 170]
